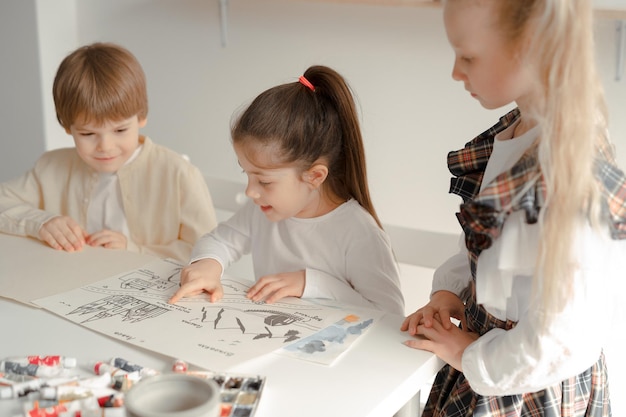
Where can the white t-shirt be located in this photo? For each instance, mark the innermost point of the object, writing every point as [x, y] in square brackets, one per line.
[346, 256]
[105, 210]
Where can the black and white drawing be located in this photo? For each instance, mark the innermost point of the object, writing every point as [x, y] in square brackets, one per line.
[133, 307]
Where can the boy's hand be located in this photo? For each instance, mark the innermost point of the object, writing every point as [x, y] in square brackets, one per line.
[107, 239]
[274, 287]
[202, 275]
[63, 233]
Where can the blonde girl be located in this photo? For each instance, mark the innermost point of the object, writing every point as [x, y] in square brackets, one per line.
[544, 219]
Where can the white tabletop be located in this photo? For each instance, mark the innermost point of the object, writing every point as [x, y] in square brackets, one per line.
[376, 377]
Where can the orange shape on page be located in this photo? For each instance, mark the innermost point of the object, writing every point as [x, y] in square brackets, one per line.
[351, 318]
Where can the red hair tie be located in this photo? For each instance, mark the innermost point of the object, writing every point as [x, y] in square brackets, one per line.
[306, 82]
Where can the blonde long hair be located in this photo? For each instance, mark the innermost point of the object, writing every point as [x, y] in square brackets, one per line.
[571, 113]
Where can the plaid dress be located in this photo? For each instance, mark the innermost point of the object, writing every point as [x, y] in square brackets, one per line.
[482, 217]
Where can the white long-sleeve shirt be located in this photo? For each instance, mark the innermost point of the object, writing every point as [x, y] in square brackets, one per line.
[530, 357]
[345, 255]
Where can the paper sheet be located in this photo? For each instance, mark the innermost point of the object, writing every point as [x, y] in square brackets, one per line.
[133, 307]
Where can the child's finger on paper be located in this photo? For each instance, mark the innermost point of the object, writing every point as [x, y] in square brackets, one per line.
[217, 294]
[261, 292]
[253, 291]
[190, 288]
[183, 291]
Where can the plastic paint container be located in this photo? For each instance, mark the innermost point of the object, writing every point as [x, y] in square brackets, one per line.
[173, 395]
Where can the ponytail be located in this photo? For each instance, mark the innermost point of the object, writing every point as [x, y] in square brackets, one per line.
[353, 183]
[308, 120]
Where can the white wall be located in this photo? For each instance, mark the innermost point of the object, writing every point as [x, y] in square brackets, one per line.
[58, 35]
[21, 114]
[387, 55]
[396, 58]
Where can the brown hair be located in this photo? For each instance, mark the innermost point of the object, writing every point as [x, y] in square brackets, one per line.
[99, 82]
[306, 125]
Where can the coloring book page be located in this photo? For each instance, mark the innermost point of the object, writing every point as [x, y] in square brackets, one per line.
[133, 307]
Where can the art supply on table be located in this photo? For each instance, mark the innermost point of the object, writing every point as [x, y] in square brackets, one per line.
[87, 407]
[239, 394]
[122, 380]
[132, 367]
[179, 365]
[20, 389]
[111, 400]
[173, 395]
[10, 379]
[125, 382]
[51, 360]
[65, 393]
[101, 368]
[98, 381]
[8, 366]
[86, 396]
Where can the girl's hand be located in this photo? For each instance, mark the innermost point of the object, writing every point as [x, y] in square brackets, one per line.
[447, 343]
[107, 239]
[63, 233]
[202, 275]
[443, 306]
[274, 287]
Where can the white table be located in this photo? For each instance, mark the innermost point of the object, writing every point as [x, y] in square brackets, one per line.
[376, 377]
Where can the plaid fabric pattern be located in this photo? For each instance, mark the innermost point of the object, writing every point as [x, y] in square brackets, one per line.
[468, 164]
[482, 217]
[614, 190]
[583, 395]
[483, 214]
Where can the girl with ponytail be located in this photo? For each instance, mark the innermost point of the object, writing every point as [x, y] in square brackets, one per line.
[309, 224]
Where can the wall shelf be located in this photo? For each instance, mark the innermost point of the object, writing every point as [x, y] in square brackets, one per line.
[603, 9]
[607, 9]
[610, 9]
[413, 3]
[223, 5]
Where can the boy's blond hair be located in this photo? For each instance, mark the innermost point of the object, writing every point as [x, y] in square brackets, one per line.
[98, 83]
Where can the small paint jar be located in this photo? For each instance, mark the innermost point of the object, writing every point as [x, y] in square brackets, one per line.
[173, 395]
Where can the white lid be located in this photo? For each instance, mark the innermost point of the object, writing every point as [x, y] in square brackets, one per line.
[6, 393]
[48, 393]
[69, 362]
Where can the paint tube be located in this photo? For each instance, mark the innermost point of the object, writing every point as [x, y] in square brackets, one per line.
[20, 389]
[131, 367]
[30, 369]
[101, 368]
[180, 365]
[51, 360]
[87, 407]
